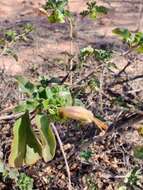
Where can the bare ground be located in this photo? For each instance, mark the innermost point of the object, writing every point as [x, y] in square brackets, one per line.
[45, 54]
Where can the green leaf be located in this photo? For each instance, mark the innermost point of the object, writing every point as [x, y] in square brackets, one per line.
[20, 108]
[57, 17]
[138, 39]
[25, 85]
[138, 152]
[93, 10]
[10, 35]
[54, 4]
[133, 177]
[42, 93]
[87, 154]
[25, 148]
[102, 55]
[25, 182]
[61, 4]
[123, 33]
[94, 84]
[45, 104]
[140, 49]
[2, 42]
[101, 10]
[78, 102]
[93, 14]
[140, 129]
[28, 28]
[85, 53]
[29, 105]
[66, 96]
[47, 137]
[16, 158]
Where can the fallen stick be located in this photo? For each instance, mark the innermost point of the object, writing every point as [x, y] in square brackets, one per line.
[11, 117]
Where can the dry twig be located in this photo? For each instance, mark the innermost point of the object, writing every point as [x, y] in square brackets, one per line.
[64, 155]
[126, 80]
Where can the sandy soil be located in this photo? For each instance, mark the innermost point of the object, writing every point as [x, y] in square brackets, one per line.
[52, 39]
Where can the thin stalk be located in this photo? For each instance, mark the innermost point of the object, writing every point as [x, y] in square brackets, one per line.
[64, 156]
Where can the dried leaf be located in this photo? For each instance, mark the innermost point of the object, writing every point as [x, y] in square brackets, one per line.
[42, 11]
[81, 114]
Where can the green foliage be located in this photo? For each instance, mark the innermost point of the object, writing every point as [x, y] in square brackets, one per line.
[25, 147]
[44, 102]
[86, 155]
[47, 104]
[138, 152]
[134, 40]
[125, 34]
[103, 55]
[97, 54]
[85, 53]
[119, 100]
[25, 182]
[10, 37]
[140, 129]
[58, 13]
[93, 10]
[132, 179]
[13, 35]
[43, 97]
[94, 84]
[22, 181]
[91, 183]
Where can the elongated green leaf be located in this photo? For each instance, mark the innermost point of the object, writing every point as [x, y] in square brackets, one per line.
[33, 147]
[47, 137]
[25, 147]
[16, 158]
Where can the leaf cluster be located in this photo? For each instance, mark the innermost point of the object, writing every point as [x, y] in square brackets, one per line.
[93, 10]
[43, 101]
[132, 180]
[97, 54]
[42, 97]
[22, 180]
[10, 37]
[58, 13]
[86, 155]
[134, 40]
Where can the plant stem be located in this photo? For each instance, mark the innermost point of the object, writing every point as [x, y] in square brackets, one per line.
[71, 43]
[64, 156]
